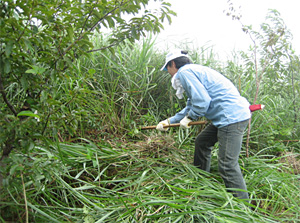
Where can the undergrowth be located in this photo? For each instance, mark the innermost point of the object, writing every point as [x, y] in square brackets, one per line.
[150, 180]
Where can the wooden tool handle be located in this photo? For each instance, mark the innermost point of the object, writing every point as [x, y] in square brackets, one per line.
[174, 125]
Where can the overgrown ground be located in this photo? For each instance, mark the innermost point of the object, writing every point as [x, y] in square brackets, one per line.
[148, 180]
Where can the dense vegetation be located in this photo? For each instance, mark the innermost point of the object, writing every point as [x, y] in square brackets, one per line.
[71, 147]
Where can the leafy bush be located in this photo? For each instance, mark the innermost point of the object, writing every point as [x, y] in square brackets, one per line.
[40, 45]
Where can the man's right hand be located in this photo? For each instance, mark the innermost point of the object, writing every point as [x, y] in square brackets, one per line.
[161, 124]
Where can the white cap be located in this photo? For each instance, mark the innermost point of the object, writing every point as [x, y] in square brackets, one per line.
[173, 55]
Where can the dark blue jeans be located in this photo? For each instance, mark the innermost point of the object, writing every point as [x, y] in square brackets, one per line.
[230, 142]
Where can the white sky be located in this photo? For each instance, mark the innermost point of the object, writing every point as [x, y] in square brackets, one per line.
[204, 23]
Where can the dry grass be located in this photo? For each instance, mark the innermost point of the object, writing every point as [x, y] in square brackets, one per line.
[291, 161]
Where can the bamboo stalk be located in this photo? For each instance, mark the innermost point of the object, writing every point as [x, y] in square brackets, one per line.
[174, 125]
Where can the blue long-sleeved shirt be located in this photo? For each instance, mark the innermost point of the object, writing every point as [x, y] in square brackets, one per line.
[211, 95]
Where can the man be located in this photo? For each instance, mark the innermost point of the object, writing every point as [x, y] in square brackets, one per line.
[213, 96]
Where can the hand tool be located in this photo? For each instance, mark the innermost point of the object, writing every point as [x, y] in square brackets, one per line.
[174, 125]
[251, 107]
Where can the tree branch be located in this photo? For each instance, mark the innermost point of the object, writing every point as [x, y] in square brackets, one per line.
[87, 18]
[93, 27]
[2, 91]
[105, 47]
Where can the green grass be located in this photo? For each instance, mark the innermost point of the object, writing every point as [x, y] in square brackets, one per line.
[150, 181]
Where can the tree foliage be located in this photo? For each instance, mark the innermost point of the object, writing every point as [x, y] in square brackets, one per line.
[41, 40]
